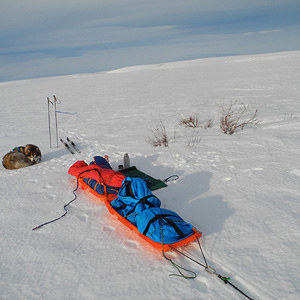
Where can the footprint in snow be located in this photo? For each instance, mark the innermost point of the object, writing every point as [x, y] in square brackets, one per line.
[225, 179]
[83, 218]
[295, 172]
[253, 170]
[47, 186]
[257, 169]
[108, 228]
[130, 244]
[202, 284]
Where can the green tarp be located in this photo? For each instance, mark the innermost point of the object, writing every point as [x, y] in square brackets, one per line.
[154, 184]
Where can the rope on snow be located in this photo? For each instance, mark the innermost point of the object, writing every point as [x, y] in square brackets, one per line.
[207, 268]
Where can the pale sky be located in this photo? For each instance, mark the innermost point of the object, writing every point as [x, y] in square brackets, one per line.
[41, 38]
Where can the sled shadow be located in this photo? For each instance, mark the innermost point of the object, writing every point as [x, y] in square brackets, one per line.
[147, 165]
[186, 196]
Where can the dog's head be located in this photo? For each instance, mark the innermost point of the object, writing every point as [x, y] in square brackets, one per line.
[33, 153]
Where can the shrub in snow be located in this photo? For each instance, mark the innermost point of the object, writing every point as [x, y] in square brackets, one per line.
[195, 138]
[235, 117]
[160, 136]
[193, 121]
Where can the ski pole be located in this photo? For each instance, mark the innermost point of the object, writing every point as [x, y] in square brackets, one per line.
[55, 100]
[49, 123]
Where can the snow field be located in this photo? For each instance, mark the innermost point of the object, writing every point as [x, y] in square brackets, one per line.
[241, 191]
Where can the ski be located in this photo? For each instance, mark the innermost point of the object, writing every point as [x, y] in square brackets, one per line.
[67, 146]
[73, 145]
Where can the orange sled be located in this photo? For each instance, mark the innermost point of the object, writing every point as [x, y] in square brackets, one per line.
[107, 199]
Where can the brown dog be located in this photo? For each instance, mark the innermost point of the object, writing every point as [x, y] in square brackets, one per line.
[21, 157]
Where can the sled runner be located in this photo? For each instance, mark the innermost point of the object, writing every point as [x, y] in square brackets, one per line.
[137, 207]
[107, 199]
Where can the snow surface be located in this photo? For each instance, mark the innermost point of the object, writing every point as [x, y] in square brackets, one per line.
[242, 190]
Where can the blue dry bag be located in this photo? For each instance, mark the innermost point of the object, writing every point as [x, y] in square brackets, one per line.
[134, 197]
[163, 225]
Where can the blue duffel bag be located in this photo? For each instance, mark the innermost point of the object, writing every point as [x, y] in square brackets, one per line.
[134, 197]
[163, 225]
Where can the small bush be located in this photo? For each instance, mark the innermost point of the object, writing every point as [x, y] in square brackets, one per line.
[195, 139]
[160, 136]
[236, 117]
[191, 121]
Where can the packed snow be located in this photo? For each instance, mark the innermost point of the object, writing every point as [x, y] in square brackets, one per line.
[241, 191]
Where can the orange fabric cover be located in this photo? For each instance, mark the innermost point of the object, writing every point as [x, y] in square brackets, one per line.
[103, 175]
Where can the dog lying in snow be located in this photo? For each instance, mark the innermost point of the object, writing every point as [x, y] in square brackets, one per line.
[21, 157]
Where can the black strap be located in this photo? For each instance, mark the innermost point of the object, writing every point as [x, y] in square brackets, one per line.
[129, 191]
[143, 201]
[121, 207]
[169, 221]
[171, 178]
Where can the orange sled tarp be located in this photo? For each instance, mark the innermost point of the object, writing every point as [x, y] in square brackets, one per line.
[107, 199]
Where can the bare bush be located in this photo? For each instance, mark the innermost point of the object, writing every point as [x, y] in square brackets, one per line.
[195, 139]
[236, 117]
[160, 136]
[191, 121]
